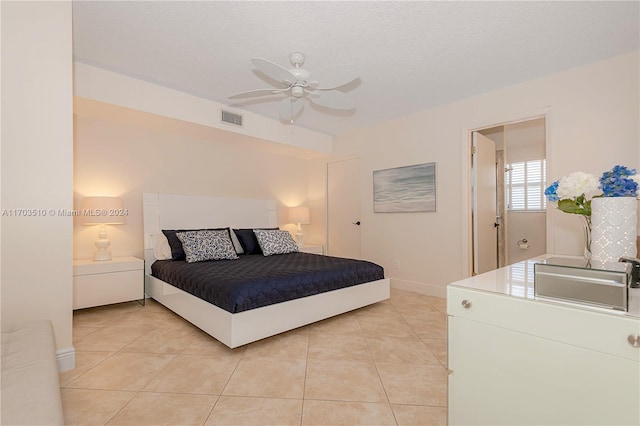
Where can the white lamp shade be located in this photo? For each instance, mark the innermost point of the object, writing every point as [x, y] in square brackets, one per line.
[299, 215]
[102, 211]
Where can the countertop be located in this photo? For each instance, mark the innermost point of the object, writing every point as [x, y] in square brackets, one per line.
[517, 281]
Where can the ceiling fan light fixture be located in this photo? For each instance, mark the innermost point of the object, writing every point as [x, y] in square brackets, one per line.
[297, 91]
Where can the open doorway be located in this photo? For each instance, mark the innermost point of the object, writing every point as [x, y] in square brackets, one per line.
[508, 177]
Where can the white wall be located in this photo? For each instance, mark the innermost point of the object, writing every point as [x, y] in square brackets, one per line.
[530, 226]
[125, 153]
[37, 165]
[525, 140]
[593, 124]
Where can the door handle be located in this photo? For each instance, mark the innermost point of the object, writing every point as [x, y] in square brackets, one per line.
[356, 223]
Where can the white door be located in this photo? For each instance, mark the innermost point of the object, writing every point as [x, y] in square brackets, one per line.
[343, 208]
[485, 234]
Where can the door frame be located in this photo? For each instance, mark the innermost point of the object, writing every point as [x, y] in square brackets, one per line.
[326, 197]
[467, 204]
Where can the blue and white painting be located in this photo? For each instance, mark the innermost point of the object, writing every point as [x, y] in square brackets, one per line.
[405, 189]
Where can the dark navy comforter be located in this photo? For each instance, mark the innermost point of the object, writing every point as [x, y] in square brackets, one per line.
[254, 281]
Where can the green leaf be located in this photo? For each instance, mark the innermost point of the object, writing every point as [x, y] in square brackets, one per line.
[575, 207]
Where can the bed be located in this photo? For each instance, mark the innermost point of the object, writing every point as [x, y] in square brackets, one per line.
[248, 321]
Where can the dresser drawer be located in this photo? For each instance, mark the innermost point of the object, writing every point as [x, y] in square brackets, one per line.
[96, 283]
[589, 329]
[105, 289]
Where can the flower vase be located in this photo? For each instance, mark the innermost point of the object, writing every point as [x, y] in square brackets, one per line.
[587, 238]
[614, 228]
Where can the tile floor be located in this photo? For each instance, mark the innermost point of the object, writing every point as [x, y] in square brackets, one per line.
[144, 365]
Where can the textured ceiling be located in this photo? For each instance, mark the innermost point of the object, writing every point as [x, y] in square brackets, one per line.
[410, 56]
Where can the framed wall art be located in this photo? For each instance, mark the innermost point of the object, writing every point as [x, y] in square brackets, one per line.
[405, 189]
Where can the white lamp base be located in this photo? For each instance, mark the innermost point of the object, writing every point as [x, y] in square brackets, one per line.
[102, 244]
[299, 237]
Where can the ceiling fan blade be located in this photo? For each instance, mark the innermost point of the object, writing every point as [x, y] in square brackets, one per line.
[290, 108]
[259, 92]
[332, 99]
[331, 78]
[273, 70]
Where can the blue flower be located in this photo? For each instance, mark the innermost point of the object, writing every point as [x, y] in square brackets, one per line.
[552, 192]
[619, 182]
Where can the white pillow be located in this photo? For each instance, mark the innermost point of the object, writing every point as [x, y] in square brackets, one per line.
[209, 244]
[161, 249]
[275, 241]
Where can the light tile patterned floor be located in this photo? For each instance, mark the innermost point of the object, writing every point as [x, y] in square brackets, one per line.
[143, 365]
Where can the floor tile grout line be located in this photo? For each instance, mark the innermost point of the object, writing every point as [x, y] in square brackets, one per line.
[304, 381]
[444, 364]
[121, 408]
[226, 384]
[376, 364]
[211, 410]
[386, 394]
[82, 374]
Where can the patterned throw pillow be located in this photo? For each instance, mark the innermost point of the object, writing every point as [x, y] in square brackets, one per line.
[275, 241]
[177, 253]
[207, 245]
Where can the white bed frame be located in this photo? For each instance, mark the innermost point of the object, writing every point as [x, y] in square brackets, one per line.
[162, 211]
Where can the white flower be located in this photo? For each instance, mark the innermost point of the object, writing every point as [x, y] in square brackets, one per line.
[576, 184]
[636, 178]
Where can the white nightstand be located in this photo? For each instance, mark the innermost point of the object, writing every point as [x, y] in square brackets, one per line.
[98, 283]
[311, 249]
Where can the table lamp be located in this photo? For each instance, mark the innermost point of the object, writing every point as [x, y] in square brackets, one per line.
[102, 211]
[300, 216]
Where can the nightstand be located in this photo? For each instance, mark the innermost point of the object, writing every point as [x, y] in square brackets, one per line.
[311, 249]
[96, 283]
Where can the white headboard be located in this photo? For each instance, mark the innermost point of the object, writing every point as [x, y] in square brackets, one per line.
[166, 211]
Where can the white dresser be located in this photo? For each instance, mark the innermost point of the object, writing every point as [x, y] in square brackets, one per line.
[517, 360]
[98, 283]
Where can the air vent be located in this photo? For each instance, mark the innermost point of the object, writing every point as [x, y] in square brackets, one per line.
[231, 118]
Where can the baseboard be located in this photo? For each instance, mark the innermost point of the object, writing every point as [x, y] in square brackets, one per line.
[66, 359]
[422, 288]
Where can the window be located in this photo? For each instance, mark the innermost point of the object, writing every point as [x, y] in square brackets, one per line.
[524, 185]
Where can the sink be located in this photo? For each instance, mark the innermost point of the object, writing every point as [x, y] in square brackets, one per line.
[576, 281]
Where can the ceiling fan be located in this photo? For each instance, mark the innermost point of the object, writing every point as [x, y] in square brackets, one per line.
[299, 84]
